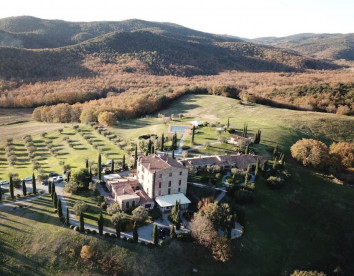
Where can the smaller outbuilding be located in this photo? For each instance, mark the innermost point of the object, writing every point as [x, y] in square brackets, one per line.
[166, 202]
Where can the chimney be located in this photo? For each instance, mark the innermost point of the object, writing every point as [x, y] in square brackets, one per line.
[123, 191]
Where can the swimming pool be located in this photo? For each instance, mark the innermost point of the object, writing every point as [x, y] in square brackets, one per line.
[179, 129]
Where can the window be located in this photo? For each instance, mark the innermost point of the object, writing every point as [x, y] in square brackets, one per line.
[147, 205]
[169, 183]
[169, 191]
[170, 174]
[133, 203]
[160, 185]
[179, 189]
[179, 182]
[180, 173]
[127, 205]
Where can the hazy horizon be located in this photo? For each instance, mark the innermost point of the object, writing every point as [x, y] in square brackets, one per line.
[254, 19]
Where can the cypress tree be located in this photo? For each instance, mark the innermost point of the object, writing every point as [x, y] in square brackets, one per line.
[67, 220]
[87, 163]
[50, 187]
[34, 186]
[193, 133]
[173, 154]
[112, 166]
[247, 149]
[0, 193]
[60, 210]
[162, 142]
[55, 201]
[246, 178]
[135, 157]
[90, 172]
[246, 130]
[152, 149]
[275, 151]
[12, 188]
[24, 188]
[135, 232]
[275, 162]
[228, 123]
[118, 231]
[82, 223]
[100, 224]
[123, 162]
[53, 189]
[259, 136]
[282, 159]
[149, 146]
[68, 176]
[99, 167]
[172, 232]
[155, 235]
[257, 168]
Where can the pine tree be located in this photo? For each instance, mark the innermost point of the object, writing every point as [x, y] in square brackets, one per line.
[123, 162]
[82, 222]
[67, 220]
[135, 232]
[12, 188]
[24, 188]
[135, 157]
[60, 210]
[55, 200]
[155, 235]
[247, 149]
[87, 163]
[100, 224]
[162, 142]
[193, 133]
[112, 166]
[172, 232]
[99, 167]
[34, 186]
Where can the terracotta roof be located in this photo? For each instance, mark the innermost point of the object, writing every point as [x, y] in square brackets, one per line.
[155, 163]
[123, 186]
[144, 198]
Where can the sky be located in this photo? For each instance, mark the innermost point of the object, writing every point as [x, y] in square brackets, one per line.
[247, 18]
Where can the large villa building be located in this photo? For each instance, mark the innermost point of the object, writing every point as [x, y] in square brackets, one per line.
[159, 179]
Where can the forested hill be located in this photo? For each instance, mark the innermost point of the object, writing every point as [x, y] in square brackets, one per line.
[162, 48]
[322, 46]
[35, 33]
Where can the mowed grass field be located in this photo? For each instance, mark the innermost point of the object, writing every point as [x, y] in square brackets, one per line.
[308, 224]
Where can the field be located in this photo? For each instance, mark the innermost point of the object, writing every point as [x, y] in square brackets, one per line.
[306, 225]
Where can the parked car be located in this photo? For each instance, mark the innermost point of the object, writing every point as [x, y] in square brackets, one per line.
[28, 178]
[109, 162]
[103, 165]
[51, 174]
[60, 178]
[45, 182]
[55, 179]
[4, 182]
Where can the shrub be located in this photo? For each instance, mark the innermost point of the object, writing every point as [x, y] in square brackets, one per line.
[142, 243]
[124, 238]
[140, 214]
[79, 207]
[243, 196]
[113, 235]
[87, 231]
[107, 235]
[275, 182]
[188, 215]
[130, 240]
[94, 232]
[76, 228]
[113, 208]
[40, 192]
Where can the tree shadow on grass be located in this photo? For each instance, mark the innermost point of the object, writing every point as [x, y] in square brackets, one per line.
[80, 148]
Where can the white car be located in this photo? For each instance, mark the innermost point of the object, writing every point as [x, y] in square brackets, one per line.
[28, 178]
[60, 178]
[55, 179]
[4, 182]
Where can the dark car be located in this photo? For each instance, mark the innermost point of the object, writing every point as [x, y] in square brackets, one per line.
[45, 182]
[51, 174]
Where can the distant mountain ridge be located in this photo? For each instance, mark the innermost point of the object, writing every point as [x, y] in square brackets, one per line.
[322, 46]
[39, 49]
